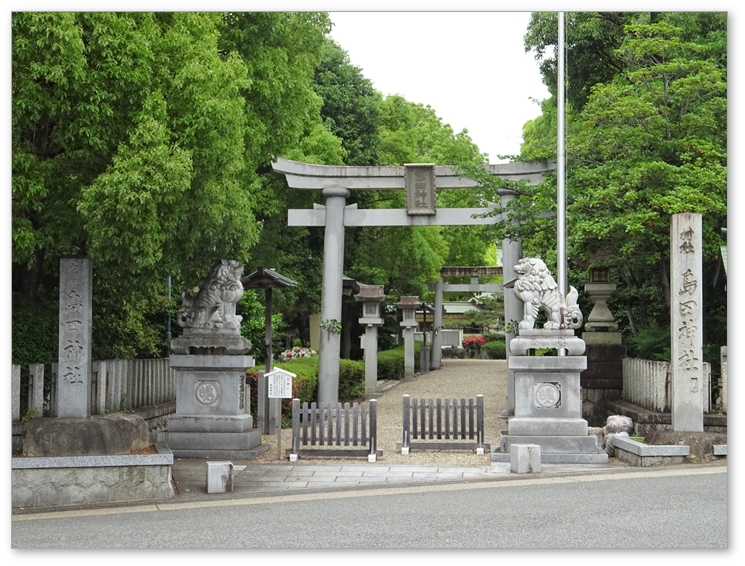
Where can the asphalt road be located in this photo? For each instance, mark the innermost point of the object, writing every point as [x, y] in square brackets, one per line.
[675, 508]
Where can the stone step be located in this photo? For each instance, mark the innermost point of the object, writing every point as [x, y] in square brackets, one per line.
[599, 458]
[554, 444]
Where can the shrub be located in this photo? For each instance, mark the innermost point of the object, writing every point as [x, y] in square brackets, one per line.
[351, 380]
[474, 342]
[495, 350]
[304, 386]
[391, 362]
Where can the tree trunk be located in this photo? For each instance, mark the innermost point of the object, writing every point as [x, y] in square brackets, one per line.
[30, 278]
[665, 280]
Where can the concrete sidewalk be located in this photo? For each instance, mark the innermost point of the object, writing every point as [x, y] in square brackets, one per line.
[190, 476]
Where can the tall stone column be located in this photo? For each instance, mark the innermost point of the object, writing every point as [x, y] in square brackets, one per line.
[331, 293]
[513, 310]
[437, 327]
[686, 317]
[75, 343]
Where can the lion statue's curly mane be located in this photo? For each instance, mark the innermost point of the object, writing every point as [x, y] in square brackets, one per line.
[219, 293]
[537, 289]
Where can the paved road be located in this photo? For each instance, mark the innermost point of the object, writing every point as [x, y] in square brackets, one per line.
[680, 507]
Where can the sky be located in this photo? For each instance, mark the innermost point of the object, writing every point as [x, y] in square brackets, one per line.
[470, 67]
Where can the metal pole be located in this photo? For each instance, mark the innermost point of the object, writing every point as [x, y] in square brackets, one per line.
[561, 160]
[168, 329]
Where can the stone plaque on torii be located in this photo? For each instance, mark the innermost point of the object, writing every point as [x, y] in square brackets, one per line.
[421, 182]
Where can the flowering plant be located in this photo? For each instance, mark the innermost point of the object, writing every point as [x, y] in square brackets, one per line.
[474, 342]
[297, 352]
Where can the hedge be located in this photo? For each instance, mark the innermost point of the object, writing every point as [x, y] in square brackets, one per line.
[495, 350]
[391, 362]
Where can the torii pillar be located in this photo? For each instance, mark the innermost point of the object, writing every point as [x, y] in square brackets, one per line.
[331, 291]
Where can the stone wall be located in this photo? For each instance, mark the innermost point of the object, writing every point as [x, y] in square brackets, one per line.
[71, 480]
[70, 486]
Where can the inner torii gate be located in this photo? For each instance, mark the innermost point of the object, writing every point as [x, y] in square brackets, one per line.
[420, 182]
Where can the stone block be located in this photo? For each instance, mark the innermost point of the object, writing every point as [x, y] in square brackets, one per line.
[548, 363]
[554, 444]
[218, 423]
[547, 395]
[645, 450]
[520, 345]
[212, 441]
[530, 426]
[525, 458]
[210, 392]
[720, 449]
[98, 435]
[601, 339]
[219, 477]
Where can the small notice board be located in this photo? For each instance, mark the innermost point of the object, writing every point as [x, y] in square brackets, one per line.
[279, 384]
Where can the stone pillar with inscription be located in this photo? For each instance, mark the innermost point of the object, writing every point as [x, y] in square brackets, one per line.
[212, 418]
[686, 316]
[75, 313]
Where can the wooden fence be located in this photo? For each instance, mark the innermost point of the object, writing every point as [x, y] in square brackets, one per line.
[647, 384]
[115, 385]
[354, 426]
[438, 420]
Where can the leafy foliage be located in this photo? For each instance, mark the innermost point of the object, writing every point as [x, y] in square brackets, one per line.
[646, 139]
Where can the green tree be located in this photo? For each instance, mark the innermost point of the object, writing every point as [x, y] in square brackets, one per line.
[139, 140]
[648, 141]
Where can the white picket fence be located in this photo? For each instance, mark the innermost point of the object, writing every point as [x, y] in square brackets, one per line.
[647, 384]
[115, 385]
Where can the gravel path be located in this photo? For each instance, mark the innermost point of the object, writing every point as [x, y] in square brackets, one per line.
[460, 379]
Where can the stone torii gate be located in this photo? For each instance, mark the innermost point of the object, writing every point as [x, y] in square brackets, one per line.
[420, 182]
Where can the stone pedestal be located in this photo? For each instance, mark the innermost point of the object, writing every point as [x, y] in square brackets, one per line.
[212, 413]
[548, 410]
[212, 416]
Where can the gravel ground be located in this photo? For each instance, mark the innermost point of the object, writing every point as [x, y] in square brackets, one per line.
[460, 379]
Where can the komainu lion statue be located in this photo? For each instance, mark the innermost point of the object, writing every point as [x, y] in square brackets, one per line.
[537, 289]
[219, 293]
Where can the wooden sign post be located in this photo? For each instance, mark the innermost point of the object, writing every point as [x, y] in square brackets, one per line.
[279, 386]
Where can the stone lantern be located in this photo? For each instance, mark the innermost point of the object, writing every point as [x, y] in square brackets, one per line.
[602, 381]
[408, 306]
[371, 297]
[600, 289]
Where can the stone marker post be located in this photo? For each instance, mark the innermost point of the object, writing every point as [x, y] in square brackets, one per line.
[408, 306]
[686, 318]
[437, 327]
[371, 297]
[75, 312]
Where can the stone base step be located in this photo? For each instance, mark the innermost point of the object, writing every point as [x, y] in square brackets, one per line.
[203, 440]
[599, 458]
[224, 454]
[554, 444]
